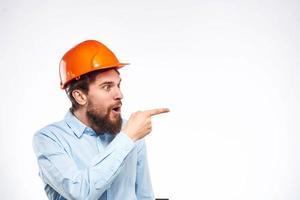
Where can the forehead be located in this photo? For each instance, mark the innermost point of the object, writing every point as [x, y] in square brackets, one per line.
[110, 75]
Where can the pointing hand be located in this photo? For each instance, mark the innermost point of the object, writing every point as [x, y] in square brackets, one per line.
[139, 124]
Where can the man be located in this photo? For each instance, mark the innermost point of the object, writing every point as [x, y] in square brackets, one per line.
[92, 153]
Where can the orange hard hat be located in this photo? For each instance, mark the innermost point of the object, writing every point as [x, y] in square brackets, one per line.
[86, 57]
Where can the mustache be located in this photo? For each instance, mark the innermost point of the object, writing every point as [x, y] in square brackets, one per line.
[118, 103]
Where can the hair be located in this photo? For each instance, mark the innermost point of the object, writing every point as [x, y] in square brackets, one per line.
[82, 84]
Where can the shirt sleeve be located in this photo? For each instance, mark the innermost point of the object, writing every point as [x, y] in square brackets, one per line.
[61, 173]
[143, 186]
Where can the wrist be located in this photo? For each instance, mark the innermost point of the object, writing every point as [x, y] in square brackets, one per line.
[130, 135]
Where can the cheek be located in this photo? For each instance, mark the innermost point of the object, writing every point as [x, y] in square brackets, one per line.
[95, 104]
[98, 105]
[100, 101]
[101, 106]
[102, 97]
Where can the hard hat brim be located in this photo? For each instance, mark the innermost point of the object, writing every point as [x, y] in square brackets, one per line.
[120, 65]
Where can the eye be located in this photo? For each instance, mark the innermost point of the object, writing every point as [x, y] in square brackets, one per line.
[106, 87]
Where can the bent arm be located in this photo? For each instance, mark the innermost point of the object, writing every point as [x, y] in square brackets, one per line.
[59, 170]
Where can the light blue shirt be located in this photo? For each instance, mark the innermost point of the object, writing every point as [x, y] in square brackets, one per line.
[75, 163]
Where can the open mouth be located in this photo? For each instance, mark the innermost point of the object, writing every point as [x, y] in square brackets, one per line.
[117, 109]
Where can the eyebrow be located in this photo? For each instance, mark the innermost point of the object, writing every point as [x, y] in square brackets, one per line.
[109, 83]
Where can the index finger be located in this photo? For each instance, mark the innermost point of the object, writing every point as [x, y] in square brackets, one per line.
[157, 111]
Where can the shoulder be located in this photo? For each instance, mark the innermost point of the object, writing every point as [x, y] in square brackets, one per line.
[50, 133]
[52, 129]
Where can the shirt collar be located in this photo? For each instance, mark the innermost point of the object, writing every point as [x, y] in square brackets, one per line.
[77, 126]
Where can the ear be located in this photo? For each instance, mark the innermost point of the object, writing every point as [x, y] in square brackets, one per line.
[79, 97]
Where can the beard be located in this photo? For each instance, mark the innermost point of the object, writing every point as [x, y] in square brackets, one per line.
[101, 122]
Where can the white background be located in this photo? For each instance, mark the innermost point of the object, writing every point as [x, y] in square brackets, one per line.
[228, 70]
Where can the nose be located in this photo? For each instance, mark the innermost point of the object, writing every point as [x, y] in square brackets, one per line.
[118, 94]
